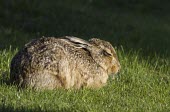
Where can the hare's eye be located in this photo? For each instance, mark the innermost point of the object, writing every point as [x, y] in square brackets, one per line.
[106, 53]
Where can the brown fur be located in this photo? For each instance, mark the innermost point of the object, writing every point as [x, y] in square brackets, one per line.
[68, 62]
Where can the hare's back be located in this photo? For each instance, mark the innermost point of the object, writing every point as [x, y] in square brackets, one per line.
[38, 55]
[44, 51]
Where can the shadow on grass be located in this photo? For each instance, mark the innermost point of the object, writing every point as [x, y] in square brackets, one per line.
[4, 107]
[131, 24]
[7, 108]
[4, 79]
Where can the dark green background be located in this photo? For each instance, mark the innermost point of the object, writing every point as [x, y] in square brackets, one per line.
[133, 24]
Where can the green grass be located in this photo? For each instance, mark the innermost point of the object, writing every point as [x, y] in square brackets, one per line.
[140, 86]
[139, 29]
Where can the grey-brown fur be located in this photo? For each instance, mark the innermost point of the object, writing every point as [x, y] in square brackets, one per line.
[68, 62]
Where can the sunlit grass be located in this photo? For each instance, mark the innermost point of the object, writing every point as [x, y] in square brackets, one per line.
[140, 86]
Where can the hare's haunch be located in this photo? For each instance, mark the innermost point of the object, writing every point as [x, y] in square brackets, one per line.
[68, 62]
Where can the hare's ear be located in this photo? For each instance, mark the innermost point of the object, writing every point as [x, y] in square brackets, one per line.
[78, 42]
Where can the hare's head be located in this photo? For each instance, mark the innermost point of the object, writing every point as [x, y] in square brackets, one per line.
[101, 51]
[105, 55]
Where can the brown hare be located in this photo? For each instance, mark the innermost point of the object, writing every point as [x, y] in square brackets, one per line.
[67, 62]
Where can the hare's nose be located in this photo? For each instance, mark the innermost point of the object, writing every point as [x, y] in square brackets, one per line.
[119, 65]
[118, 70]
